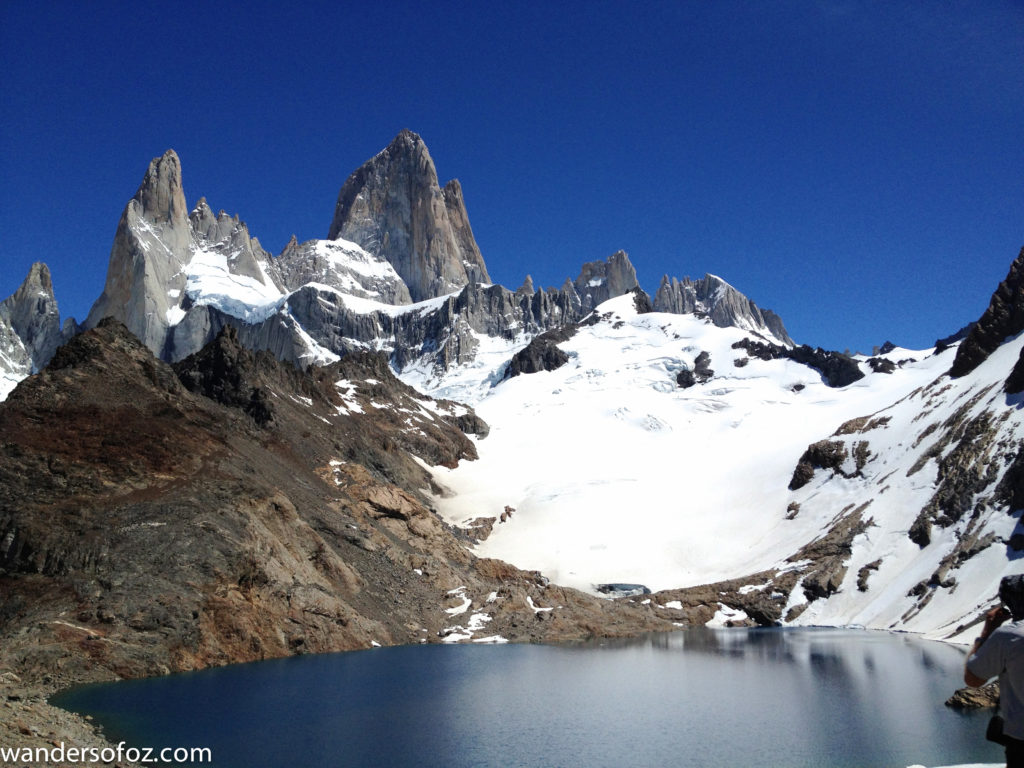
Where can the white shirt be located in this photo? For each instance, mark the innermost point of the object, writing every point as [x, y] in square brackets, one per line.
[1002, 654]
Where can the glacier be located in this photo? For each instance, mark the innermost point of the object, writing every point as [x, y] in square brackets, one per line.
[616, 474]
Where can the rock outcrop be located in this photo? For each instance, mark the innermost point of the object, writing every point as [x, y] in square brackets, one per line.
[837, 369]
[599, 281]
[986, 697]
[699, 374]
[394, 208]
[824, 454]
[723, 304]
[541, 354]
[1003, 319]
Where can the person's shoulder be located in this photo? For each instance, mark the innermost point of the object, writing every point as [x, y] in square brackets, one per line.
[1011, 630]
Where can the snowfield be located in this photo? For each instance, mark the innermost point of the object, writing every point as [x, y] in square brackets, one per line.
[211, 281]
[618, 475]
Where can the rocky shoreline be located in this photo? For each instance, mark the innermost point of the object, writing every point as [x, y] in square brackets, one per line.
[30, 722]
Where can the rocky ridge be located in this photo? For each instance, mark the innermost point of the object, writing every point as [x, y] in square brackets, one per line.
[1002, 320]
[715, 298]
[400, 272]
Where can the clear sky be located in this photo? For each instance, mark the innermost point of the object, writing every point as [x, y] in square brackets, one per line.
[856, 166]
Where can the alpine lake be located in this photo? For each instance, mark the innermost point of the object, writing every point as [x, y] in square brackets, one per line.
[782, 698]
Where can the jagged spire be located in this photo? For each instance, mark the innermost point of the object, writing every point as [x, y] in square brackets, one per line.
[599, 281]
[394, 208]
[31, 313]
[161, 193]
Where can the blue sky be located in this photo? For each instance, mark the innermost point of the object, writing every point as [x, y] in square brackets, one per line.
[856, 166]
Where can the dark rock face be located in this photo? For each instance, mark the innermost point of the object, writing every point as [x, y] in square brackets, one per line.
[1010, 490]
[701, 372]
[642, 301]
[865, 573]
[225, 372]
[1003, 319]
[941, 345]
[824, 454]
[969, 453]
[393, 207]
[881, 365]
[837, 369]
[1015, 381]
[702, 366]
[542, 353]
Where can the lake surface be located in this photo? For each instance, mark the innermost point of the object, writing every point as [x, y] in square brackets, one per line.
[764, 697]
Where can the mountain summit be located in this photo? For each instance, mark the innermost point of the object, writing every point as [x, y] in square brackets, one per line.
[146, 272]
[394, 207]
[401, 273]
[30, 329]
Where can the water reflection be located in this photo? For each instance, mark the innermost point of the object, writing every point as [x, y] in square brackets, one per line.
[841, 688]
[691, 698]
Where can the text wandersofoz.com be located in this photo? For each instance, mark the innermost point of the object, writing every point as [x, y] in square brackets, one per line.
[65, 754]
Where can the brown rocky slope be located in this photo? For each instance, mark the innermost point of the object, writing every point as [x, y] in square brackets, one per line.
[156, 519]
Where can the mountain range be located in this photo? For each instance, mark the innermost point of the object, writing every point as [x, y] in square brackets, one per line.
[363, 441]
[399, 272]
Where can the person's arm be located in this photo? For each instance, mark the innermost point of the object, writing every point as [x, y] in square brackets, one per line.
[993, 619]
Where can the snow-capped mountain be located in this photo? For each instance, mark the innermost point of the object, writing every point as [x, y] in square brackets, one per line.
[654, 483]
[400, 272]
[893, 502]
[684, 443]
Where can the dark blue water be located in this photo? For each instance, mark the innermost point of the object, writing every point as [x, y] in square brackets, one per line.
[782, 698]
